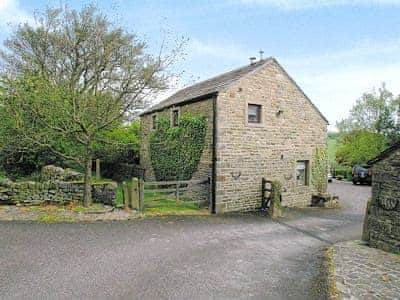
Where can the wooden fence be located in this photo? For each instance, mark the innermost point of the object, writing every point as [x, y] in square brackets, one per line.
[135, 192]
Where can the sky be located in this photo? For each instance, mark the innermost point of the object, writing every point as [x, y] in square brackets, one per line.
[334, 49]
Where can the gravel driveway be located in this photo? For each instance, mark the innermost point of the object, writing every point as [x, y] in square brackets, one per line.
[223, 257]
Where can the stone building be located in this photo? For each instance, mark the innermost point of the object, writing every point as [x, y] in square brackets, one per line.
[260, 125]
[382, 227]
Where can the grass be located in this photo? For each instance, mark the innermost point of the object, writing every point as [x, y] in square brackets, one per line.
[171, 207]
[53, 219]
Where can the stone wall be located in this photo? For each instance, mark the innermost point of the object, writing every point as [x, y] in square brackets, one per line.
[55, 189]
[201, 108]
[383, 216]
[53, 192]
[290, 130]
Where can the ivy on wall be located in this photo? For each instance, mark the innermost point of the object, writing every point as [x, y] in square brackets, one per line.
[175, 152]
[320, 170]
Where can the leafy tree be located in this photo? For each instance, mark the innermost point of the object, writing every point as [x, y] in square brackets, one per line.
[359, 146]
[375, 112]
[74, 76]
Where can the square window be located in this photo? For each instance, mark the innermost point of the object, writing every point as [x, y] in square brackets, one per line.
[154, 121]
[254, 113]
[175, 117]
[302, 172]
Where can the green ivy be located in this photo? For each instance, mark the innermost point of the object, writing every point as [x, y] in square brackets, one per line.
[320, 170]
[175, 152]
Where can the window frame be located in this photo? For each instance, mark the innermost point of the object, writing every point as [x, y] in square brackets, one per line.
[154, 121]
[261, 105]
[306, 172]
[178, 115]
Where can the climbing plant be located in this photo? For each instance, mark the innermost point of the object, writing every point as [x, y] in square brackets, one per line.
[175, 152]
[320, 170]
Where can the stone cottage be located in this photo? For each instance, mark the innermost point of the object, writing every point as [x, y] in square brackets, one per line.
[260, 125]
[382, 226]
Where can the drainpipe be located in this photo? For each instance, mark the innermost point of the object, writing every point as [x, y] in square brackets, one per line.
[214, 156]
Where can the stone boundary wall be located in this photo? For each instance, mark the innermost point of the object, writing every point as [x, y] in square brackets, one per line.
[53, 192]
[57, 186]
[382, 228]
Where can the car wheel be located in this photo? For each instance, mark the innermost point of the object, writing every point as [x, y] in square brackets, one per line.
[354, 182]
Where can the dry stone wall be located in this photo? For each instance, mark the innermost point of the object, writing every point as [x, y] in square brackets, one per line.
[54, 191]
[383, 219]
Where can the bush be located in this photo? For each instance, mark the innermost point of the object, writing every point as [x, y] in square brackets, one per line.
[343, 173]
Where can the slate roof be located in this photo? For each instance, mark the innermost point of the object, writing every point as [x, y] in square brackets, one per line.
[385, 153]
[218, 83]
[208, 87]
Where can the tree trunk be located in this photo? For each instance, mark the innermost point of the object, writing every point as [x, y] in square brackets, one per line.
[87, 194]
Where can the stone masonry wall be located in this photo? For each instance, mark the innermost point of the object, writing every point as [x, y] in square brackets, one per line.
[383, 220]
[201, 108]
[290, 130]
[53, 192]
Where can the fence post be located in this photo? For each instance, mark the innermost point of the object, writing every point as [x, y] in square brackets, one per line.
[135, 194]
[276, 197]
[141, 195]
[98, 174]
[263, 193]
[126, 195]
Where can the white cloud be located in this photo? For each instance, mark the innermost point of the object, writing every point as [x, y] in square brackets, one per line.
[308, 4]
[334, 81]
[12, 14]
[217, 50]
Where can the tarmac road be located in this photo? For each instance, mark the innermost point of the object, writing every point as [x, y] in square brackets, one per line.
[220, 257]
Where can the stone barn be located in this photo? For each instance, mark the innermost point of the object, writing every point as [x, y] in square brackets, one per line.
[382, 226]
[260, 125]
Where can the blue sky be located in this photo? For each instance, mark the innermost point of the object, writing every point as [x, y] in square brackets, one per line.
[334, 49]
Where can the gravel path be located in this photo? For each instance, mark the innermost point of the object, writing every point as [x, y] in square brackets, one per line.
[223, 257]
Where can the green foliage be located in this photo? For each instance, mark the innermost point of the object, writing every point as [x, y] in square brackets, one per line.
[332, 145]
[374, 112]
[72, 77]
[357, 147]
[320, 170]
[343, 173]
[175, 152]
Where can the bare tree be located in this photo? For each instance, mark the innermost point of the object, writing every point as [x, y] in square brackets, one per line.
[74, 75]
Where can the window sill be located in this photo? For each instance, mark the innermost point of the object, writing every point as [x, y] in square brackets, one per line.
[255, 125]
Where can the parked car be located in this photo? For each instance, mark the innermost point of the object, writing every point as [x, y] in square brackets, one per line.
[330, 177]
[362, 174]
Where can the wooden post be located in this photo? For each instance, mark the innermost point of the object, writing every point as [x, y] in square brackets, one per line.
[275, 204]
[98, 176]
[135, 194]
[126, 195]
[141, 195]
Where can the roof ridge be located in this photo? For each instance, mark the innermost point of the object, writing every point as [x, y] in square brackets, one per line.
[258, 63]
[204, 88]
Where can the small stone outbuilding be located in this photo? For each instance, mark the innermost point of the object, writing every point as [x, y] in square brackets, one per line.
[260, 125]
[382, 222]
